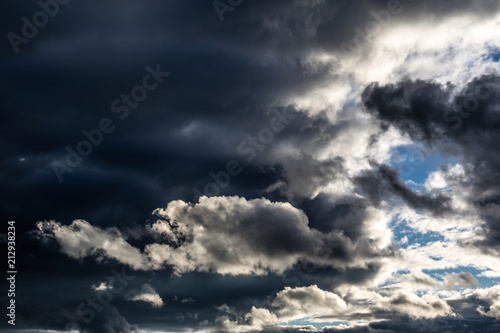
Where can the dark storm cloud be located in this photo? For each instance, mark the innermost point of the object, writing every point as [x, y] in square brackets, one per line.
[224, 79]
[429, 111]
[42, 307]
[463, 124]
[65, 83]
[306, 274]
[414, 107]
[383, 182]
[347, 216]
[47, 301]
[87, 56]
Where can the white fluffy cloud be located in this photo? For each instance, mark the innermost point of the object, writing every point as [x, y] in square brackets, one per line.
[492, 297]
[225, 235]
[232, 235]
[255, 320]
[146, 294]
[353, 304]
[302, 302]
[81, 239]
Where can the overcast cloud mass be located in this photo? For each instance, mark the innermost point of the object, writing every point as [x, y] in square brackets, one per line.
[251, 166]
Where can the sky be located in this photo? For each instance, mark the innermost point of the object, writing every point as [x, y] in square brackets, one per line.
[250, 166]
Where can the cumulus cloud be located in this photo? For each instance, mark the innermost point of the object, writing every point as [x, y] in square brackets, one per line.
[232, 235]
[256, 320]
[81, 239]
[416, 307]
[306, 302]
[353, 305]
[492, 297]
[225, 235]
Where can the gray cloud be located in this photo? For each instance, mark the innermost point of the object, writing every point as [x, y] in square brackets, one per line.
[383, 182]
[462, 125]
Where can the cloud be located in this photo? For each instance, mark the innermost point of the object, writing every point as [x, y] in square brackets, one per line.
[256, 320]
[305, 302]
[420, 280]
[382, 182]
[354, 305]
[307, 177]
[463, 279]
[224, 235]
[459, 121]
[232, 235]
[332, 206]
[101, 287]
[81, 239]
[417, 307]
[492, 297]
[146, 294]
